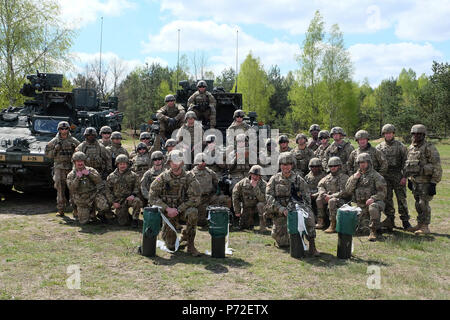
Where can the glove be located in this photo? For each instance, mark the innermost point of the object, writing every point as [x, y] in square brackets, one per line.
[410, 186]
[432, 189]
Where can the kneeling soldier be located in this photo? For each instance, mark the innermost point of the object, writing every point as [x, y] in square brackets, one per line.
[250, 191]
[279, 193]
[122, 191]
[86, 187]
[312, 179]
[369, 192]
[178, 195]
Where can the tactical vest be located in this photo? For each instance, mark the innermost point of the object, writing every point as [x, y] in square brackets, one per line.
[141, 163]
[93, 154]
[365, 188]
[416, 161]
[173, 192]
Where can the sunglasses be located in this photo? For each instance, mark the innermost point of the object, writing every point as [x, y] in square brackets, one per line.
[65, 129]
[201, 86]
[239, 116]
[333, 166]
[107, 133]
[145, 139]
[157, 159]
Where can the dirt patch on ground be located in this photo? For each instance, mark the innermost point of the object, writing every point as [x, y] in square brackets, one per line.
[27, 204]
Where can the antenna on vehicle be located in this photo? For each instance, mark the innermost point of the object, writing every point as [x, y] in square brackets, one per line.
[100, 67]
[237, 46]
[178, 59]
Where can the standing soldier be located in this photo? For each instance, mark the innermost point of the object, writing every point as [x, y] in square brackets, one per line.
[302, 154]
[190, 136]
[395, 153]
[324, 135]
[170, 116]
[368, 188]
[280, 200]
[312, 179]
[151, 174]
[178, 195]
[86, 187]
[239, 160]
[423, 168]
[283, 142]
[331, 194]
[116, 149]
[251, 192]
[265, 159]
[339, 148]
[314, 141]
[208, 187]
[61, 149]
[203, 103]
[379, 162]
[105, 133]
[215, 157]
[237, 124]
[146, 138]
[97, 155]
[123, 192]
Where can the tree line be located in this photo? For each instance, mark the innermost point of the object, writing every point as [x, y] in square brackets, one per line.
[320, 91]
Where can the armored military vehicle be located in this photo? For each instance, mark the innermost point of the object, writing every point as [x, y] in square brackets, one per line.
[25, 130]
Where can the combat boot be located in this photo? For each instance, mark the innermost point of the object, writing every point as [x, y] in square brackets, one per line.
[135, 223]
[406, 225]
[423, 230]
[60, 213]
[373, 234]
[191, 247]
[332, 227]
[312, 248]
[320, 224]
[388, 224]
[184, 236]
[414, 229]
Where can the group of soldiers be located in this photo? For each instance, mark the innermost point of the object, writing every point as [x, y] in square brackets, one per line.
[102, 177]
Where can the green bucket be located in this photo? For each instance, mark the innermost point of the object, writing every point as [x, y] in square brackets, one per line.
[218, 223]
[346, 221]
[292, 222]
[152, 221]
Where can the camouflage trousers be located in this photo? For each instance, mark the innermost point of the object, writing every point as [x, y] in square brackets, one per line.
[370, 217]
[207, 200]
[87, 204]
[248, 213]
[123, 215]
[333, 205]
[206, 116]
[164, 128]
[190, 217]
[280, 231]
[60, 177]
[393, 185]
[422, 198]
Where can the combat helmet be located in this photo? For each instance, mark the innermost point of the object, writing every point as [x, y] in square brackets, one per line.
[190, 114]
[256, 169]
[283, 138]
[286, 158]
[79, 156]
[116, 135]
[170, 143]
[201, 83]
[90, 131]
[169, 97]
[362, 157]
[324, 134]
[337, 130]
[361, 134]
[122, 158]
[63, 125]
[157, 155]
[299, 136]
[145, 135]
[142, 145]
[418, 128]
[314, 127]
[334, 161]
[314, 162]
[237, 113]
[175, 156]
[105, 129]
[388, 128]
[200, 157]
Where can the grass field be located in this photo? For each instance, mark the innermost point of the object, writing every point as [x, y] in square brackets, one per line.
[36, 249]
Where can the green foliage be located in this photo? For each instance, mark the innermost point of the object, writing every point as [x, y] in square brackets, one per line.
[226, 79]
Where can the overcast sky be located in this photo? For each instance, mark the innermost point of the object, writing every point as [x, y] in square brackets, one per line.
[382, 36]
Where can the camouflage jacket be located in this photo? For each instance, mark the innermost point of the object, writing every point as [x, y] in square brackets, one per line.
[97, 156]
[342, 150]
[61, 151]
[313, 181]
[149, 176]
[288, 149]
[177, 112]
[84, 186]
[333, 184]
[120, 186]
[278, 192]
[201, 98]
[269, 163]
[171, 191]
[238, 170]
[379, 162]
[207, 180]
[116, 150]
[302, 158]
[195, 133]
[249, 196]
[313, 144]
[215, 160]
[423, 163]
[234, 129]
[396, 154]
[106, 143]
[141, 163]
[320, 153]
[151, 148]
[370, 185]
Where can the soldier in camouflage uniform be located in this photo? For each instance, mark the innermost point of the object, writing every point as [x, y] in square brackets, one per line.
[215, 157]
[331, 194]
[105, 133]
[190, 137]
[424, 171]
[314, 141]
[123, 187]
[237, 126]
[238, 160]
[61, 149]
[146, 138]
[170, 145]
[170, 116]
[116, 149]
[178, 195]
[368, 188]
[267, 159]
[315, 174]
[395, 153]
[208, 181]
[151, 174]
[141, 161]
[302, 154]
[324, 135]
[86, 187]
[251, 192]
[379, 162]
[339, 148]
[203, 103]
[283, 142]
[280, 201]
[97, 155]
